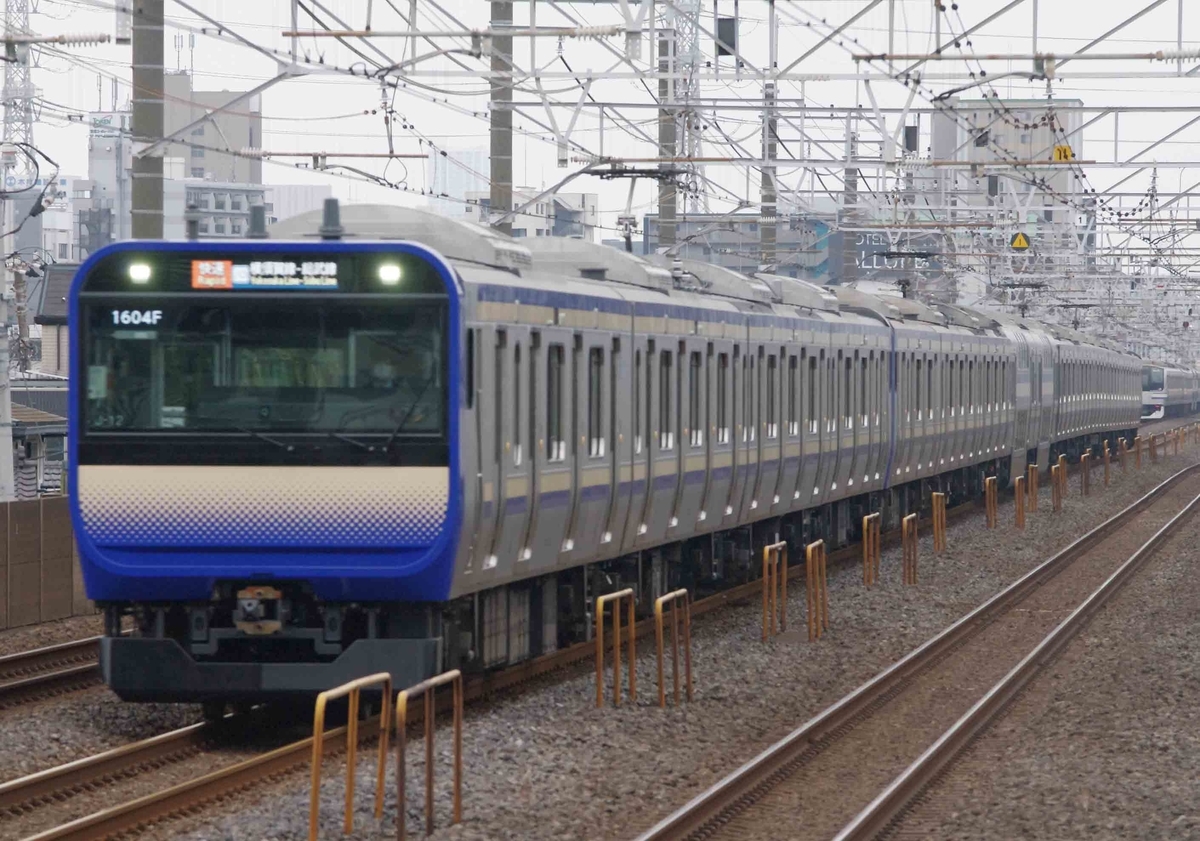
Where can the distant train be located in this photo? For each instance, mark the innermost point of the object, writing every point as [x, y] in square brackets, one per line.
[1169, 392]
[426, 445]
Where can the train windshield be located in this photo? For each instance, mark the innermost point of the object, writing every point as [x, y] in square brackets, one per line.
[1152, 379]
[308, 366]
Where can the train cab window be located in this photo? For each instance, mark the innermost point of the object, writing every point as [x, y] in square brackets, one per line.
[666, 436]
[793, 396]
[696, 420]
[723, 398]
[595, 433]
[772, 421]
[556, 442]
[516, 402]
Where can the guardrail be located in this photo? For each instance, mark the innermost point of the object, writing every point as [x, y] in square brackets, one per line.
[774, 588]
[818, 594]
[620, 597]
[674, 599]
[872, 541]
[1019, 502]
[908, 539]
[427, 689]
[939, 522]
[353, 688]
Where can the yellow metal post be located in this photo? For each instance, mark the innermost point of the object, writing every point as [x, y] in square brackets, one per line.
[1019, 501]
[679, 597]
[601, 601]
[426, 690]
[1033, 487]
[908, 539]
[939, 522]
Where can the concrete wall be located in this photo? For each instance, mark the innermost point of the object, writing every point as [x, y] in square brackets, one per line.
[40, 579]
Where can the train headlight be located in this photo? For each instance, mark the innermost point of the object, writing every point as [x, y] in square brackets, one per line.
[139, 272]
[389, 274]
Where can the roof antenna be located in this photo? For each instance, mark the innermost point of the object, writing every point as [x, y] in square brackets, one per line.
[331, 222]
[258, 222]
[191, 221]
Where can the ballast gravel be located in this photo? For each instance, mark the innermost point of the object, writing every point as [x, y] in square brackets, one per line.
[1106, 742]
[29, 637]
[544, 763]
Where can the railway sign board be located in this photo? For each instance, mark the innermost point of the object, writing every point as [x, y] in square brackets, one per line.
[1020, 242]
[1062, 153]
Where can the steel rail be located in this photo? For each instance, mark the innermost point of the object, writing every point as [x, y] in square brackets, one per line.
[35, 660]
[900, 793]
[757, 776]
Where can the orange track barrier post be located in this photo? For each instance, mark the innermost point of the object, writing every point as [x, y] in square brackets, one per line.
[939, 522]
[1154, 449]
[1019, 501]
[1033, 487]
[1056, 488]
[818, 595]
[1106, 461]
[1137, 452]
[676, 598]
[989, 496]
[427, 688]
[1063, 475]
[1122, 451]
[908, 538]
[774, 577]
[353, 688]
[1085, 473]
[617, 598]
[871, 543]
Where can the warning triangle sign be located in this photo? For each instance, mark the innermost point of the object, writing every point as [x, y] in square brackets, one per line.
[1020, 242]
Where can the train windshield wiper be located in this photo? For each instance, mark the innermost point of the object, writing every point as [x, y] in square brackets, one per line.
[370, 448]
[411, 409]
[262, 436]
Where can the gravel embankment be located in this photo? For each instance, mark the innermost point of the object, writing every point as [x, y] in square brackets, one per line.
[544, 763]
[1106, 743]
[29, 637]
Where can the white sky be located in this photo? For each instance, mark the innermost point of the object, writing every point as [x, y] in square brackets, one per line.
[324, 112]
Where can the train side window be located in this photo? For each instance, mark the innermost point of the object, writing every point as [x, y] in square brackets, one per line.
[516, 401]
[723, 398]
[637, 400]
[556, 444]
[695, 421]
[666, 436]
[595, 402]
[793, 396]
[772, 419]
[812, 395]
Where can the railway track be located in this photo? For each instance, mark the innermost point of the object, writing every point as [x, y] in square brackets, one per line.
[826, 776]
[58, 785]
[49, 671]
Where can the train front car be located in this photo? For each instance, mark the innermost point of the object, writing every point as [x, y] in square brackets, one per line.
[1154, 392]
[262, 469]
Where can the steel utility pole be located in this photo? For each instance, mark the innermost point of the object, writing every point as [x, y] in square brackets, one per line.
[501, 116]
[147, 118]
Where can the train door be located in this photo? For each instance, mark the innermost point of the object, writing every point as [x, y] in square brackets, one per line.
[810, 425]
[789, 433]
[664, 444]
[621, 441]
[594, 357]
[876, 406]
[555, 375]
[827, 397]
[514, 463]
[770, 429]
[695, 360]
[720, 444]
[737, 368]
[641, 411]
[753, 365]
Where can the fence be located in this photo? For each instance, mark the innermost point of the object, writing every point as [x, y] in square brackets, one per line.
[427, 688]
[622, 596]
[908, 538]
[40, 580]
[774, 588]
[353, 688]
[939, 522]
[818, 595]
[674, 599]
[872, 539]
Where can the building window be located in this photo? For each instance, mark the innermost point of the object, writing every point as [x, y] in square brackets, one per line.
[220, 201]
[197, 172]
[235, 203]
[198, 131]
[518, 232]
[219, 227]
[197, 151]
[235, 228]
[64, 251]
[203, 226]
[193, 197]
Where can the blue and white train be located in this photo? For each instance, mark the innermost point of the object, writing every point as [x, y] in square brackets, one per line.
[424, 445]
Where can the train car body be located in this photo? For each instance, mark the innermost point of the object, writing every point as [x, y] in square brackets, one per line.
[1169, 392]
[436, 451]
